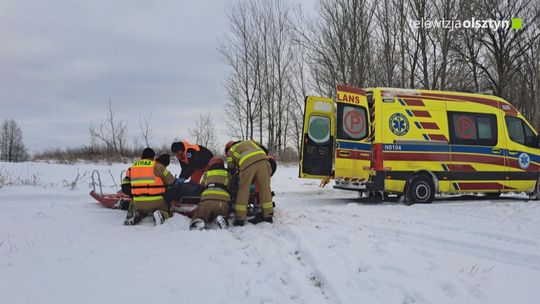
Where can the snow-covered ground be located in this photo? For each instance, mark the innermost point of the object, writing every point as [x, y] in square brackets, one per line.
[57, 245]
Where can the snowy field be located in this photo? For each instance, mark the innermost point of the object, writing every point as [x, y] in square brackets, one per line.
[57, 245]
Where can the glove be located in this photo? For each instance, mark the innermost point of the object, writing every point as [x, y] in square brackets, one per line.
[179, 180]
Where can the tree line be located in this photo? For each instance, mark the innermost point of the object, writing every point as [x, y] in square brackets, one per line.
[108, 140]
[277, 54]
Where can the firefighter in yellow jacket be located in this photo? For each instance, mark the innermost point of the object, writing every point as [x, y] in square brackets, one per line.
[148, 184]
[215, 198]
[251, 161]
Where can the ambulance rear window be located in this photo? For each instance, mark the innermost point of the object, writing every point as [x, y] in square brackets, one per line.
[319, 129]
[352, 122]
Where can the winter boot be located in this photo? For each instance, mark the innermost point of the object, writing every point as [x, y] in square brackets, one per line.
[158, 217]
[256, 219]
[121, 204]
[238, 222]
[221, 222]
[132, 218]
[197, 224]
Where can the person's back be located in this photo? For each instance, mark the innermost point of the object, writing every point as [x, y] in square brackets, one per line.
[215, 198]
[251, 161]
[148, 184]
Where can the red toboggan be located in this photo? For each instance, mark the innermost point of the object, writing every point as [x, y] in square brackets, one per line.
[186, 205]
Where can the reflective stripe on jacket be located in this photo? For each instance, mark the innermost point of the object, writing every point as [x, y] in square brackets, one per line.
[145, 184]
[244, 153]
[216, 183]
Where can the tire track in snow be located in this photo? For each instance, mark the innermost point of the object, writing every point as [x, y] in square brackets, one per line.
[523, 260]
[278, 250]
[505, 238]
[318, 276]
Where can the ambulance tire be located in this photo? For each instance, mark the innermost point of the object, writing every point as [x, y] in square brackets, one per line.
[421, 190]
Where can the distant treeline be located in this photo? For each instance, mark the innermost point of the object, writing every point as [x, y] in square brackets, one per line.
[97, 154]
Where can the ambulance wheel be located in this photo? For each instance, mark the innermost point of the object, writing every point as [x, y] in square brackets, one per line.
[421, 190]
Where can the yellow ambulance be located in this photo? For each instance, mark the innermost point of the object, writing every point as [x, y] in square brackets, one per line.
[417, 143]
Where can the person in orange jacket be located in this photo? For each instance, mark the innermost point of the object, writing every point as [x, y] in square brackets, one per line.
[193, 160]
[148, 179]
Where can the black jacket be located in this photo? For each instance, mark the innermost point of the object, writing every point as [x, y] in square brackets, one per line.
[195, 160]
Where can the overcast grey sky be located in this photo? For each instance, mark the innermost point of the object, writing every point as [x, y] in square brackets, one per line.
[61, 61]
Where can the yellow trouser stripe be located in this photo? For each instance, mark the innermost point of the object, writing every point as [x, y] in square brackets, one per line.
[216, 192]
[267, 205]
[240, 207]
[247, 156]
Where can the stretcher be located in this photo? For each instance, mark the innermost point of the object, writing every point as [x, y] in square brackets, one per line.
[185, 205]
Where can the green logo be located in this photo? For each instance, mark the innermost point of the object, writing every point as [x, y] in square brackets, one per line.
[517, 23]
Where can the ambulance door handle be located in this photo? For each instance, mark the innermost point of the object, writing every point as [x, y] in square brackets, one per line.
[513, 152]
[496, 150]
[344, 153]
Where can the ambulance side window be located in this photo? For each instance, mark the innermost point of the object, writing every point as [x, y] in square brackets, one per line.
[520, 132]
[472, 128]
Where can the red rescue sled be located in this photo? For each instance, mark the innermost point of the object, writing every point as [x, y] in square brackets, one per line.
[185, 206]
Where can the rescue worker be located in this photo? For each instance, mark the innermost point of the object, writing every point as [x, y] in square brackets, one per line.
[250, 159]
[193, 160]
[148, 183]
[164, 159]
[215, 198]
[255, 189]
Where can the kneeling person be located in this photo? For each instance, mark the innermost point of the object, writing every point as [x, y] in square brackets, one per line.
[148, 179]
[215, 198]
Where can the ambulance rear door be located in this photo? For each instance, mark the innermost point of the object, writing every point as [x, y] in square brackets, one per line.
[353, 148]
[318, 138]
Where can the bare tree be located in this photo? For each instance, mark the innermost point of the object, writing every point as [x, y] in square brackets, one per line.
[204, 132]
[12, 148]
[338, 43]
[144, 128]
[260, 52]
[110, 132]
[504, 48]
[237, 51]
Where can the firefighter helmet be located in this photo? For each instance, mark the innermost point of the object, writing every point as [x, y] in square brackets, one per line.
[228, 146]
[216, 161]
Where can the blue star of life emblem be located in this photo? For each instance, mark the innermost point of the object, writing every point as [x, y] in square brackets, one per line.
[524, 160]
[399, 124]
